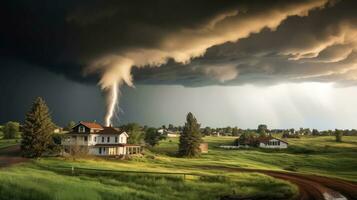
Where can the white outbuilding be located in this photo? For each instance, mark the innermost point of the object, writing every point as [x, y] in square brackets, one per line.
[272, 143]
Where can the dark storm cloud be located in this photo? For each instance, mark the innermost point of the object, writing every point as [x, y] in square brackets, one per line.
[67, 36]
[321, 46]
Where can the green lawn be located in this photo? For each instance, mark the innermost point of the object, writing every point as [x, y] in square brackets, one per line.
[8, 142]
[42, 180]
[51, 178]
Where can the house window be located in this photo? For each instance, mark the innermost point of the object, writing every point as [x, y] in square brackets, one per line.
[100, 150]
[116, 139]
[121, 139]
[102, 139]
[81, 129]
[108, 139]
[95, 139]
[85, 138]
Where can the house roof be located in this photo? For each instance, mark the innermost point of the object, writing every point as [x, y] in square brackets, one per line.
[92, 125]
[268, 138]
[105, 130]
[117, 145]
[110, 130]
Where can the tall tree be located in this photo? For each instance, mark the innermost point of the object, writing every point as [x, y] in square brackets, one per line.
[190, 138]
[11, 129]
[235, 131]
[37, 130]
[338, 135]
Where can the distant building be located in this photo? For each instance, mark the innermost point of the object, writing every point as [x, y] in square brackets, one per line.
[161, 131]
[268, 142]
[168, 133]
[95, 139]
[272, 143]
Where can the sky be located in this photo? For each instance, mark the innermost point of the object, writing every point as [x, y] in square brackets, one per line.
[232, 63]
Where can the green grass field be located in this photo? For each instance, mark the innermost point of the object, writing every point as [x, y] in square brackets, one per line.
[51, 178]
[318, 155]
[8, 142]
[30, 181]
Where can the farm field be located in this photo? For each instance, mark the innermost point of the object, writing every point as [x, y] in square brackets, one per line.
[52, 178]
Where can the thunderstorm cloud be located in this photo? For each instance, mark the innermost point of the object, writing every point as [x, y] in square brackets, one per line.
[196, 43]
[190, 43]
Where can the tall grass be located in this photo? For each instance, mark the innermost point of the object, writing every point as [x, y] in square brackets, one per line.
[31, 182]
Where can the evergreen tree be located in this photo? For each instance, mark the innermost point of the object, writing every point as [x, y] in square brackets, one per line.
[190, 138]
[37, 130]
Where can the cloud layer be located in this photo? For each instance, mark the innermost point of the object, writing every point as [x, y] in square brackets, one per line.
[227, 43]
[320, 46]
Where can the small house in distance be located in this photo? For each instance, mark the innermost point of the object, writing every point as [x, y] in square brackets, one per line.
[95, 139]
[268, 142]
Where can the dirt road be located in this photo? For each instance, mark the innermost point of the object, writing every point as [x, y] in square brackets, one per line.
[311, 187]
[11, 155]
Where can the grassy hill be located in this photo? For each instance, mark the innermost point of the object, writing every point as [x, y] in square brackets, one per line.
[52, 178]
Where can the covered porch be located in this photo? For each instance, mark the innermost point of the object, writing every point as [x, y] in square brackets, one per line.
[132, 149]
[115, 149]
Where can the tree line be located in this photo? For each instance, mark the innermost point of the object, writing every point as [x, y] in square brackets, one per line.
[38, 137]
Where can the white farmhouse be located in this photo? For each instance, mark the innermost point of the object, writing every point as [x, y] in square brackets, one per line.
[272, 143]
[95, 139]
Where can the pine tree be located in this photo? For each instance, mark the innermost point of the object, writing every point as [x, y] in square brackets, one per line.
[37, 130]
[190, 138]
